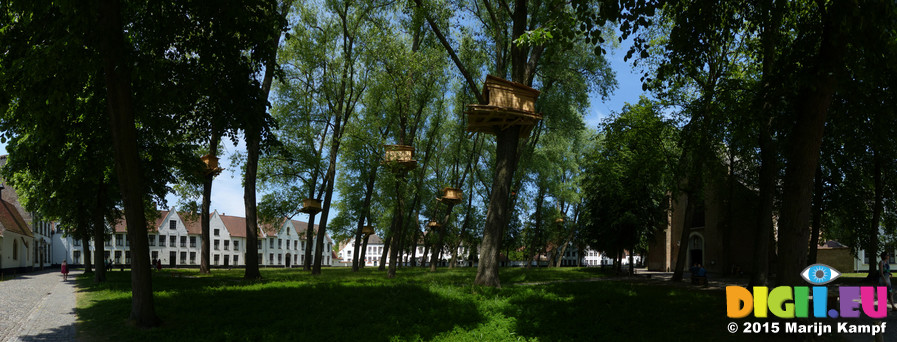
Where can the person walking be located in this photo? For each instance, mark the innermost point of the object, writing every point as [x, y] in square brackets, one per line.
[65, 271]
[884, 267]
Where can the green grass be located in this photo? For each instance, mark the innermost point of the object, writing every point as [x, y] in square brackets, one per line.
[289, 305]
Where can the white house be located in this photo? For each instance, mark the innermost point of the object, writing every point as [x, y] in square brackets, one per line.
[16, 240]
[374, 251]
[175, 239]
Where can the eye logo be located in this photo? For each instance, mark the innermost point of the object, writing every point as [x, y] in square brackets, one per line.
[819, 274]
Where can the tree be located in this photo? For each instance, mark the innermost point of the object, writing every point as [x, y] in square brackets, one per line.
[629, 178]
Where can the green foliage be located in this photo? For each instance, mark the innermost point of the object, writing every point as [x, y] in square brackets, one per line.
[629, 178]
[422, 306]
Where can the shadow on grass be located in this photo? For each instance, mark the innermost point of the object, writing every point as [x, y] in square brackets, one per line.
[618, 311]
[203, 309]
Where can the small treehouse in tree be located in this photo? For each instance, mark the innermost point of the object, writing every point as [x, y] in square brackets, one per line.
[211, 162]
[510, 104]
[451, 196]
[311, 206]
[400, 157]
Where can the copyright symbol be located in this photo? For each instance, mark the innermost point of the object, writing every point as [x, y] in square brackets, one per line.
[733, 327]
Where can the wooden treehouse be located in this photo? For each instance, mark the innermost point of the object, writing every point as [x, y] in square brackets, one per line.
[211, 164]
[311, 206]
[509, 104]
[451, 196]
[399, 157]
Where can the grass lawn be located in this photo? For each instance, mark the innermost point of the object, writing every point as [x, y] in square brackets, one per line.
[289, 305]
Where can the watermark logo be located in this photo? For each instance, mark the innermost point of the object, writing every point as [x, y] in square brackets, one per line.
[819, 274]
[789, 302]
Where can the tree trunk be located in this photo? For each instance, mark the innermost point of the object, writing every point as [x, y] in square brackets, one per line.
[683, 238]
[309, 242]
[364, 249]
[811, 108]
[117, 75]
[385, 252]
[440, 239]
[253, 140]
[816, 221]
[414, 239]
[365, 212]
[398, 226]
[768, 156]
[328, 197]
[99, 242]
[85, 241]
[205, 252]
[877, 208]
[499, 212]
[768, 170]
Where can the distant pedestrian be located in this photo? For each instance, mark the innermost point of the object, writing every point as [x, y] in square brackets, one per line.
[65, 271]
[158, 264]
[884, 268]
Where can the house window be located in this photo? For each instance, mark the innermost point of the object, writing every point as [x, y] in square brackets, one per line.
[216, 259]
[152, 239]
[271, 243]
[295, 244]
[280, 259]
[236, 248]
[295, 258]
[161, 240]
[183, 256]
[260, 258]
[183, 243]
[260, 244]
[172, 224]
[216, 232]
[155, 255]
[271, 259]
[171, 241]
[119, 241]
[215, 244]
[76, 242]
[192, 241]
[236, 259]
[76, 257]
[127, 257]
[192, 257]
[226, 244]
[109, 242]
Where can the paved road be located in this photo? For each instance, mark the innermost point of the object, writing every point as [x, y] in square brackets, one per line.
[38, 307]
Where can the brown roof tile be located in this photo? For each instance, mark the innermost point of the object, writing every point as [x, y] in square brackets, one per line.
[236, 226]
[121, 225]
[12, 221]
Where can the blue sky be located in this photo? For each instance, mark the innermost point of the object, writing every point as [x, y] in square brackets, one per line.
[228, 190]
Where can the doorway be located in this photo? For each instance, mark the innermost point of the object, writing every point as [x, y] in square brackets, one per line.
[288, 260]
[695, 249]
[172, 259]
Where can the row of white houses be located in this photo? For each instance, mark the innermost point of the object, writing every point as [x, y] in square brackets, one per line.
[175, 239]
[375, 247]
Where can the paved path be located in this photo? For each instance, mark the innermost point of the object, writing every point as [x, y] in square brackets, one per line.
[38, 307]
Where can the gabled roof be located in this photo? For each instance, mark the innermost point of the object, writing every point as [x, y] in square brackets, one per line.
[193, 222]
[12, 221]
[236, 226]
[121, 225]
[301, 227]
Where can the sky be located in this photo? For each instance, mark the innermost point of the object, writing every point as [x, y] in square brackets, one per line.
[227, 189]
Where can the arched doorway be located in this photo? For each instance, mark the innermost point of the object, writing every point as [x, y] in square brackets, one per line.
[289, 259]
[695, 249]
